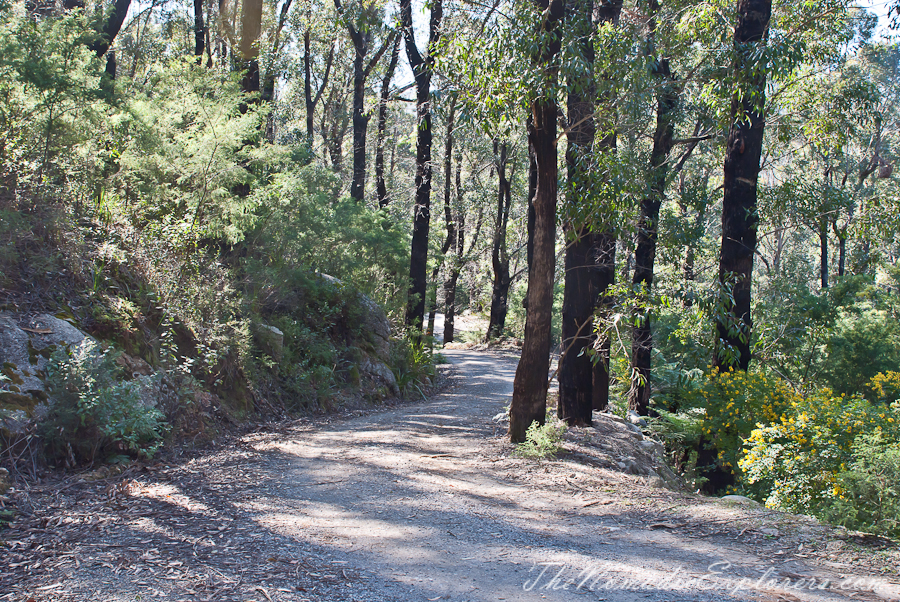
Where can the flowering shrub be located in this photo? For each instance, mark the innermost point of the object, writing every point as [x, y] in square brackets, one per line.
[733, 402]
[799, 459]
[884, 388]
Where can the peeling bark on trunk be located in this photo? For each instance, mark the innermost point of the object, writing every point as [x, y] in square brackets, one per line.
[739, 217]
[529, 399]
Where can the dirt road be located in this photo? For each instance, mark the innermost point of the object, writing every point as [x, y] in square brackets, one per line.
[420, 502]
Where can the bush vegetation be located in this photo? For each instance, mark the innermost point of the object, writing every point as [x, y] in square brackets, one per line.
[155, 213]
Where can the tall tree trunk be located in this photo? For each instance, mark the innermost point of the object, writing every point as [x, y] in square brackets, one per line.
[110, 28]
[422, 67]
[742, 154]
[251, 28]
[380, 184]
[529, 399]
[532, 190]
[360, 39]
[360, 35]
[499, 253]
[648, 233]
[199, 31]
[579, 295]
[458, 260]
[604, 238]
[448, 213]
[335, 119]
[841, 234]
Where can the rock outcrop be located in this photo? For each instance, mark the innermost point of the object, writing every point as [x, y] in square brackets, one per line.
[374, 364]
[26, 345]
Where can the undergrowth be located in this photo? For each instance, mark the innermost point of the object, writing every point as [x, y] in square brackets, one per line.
[542, 441]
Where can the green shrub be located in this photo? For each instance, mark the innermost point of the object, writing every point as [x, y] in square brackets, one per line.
[863, 346]
[542, 440]
[412, 364]
[867, 495]
[682, 433]
[93, 413]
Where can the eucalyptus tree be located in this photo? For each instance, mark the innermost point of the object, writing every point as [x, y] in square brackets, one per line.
[742, 154]
[422, 64]
[312, 90]
[449, 221]
[604, 235]
[765, 55]
[648, 222]
[504, 164]
[580, 295]
[381, 191]
[246, 39]
[461, 255]
[529, 400]
[362, 21]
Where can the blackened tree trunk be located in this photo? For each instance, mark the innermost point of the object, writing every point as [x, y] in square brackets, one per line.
[499, 252]
[335, 121]
[422, 67]
[358, 118]
[361, 37]
[841, 233]
[579, 296]
[647, 235]
[532, 190]
[380, 183]
[111, 27]
[742, 154]
[529, 400]
[199, 31]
